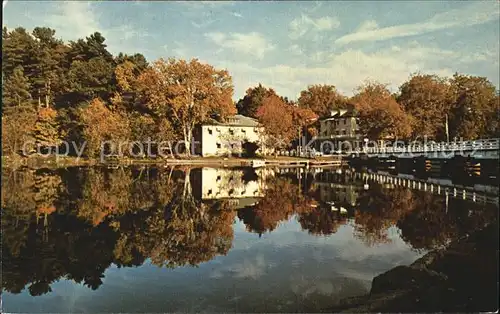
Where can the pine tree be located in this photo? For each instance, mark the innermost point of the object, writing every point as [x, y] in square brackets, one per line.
[15, 90]
[49, 66]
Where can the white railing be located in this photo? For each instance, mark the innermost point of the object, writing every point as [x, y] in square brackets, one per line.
[484, 144]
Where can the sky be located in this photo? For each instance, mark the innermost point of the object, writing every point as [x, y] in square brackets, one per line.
[288, 45]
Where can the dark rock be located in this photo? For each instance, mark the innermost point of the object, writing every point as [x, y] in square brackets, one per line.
[405, 278]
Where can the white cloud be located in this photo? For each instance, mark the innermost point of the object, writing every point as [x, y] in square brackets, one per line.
[296, 50]
[367, 26]
[74, 19]
[181, 50]
[77, 19]
[491, 55]
[253, 44]
[471, 14]
[203, 24]
[304, 24]
[346, 70]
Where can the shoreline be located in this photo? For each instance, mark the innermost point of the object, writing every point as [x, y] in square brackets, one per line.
[436, 281]
[55, 161]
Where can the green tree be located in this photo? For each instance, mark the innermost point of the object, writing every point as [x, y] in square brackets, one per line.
[92, 47]
[50, 66]
[17, 50]
[90, 79]
[16, 89]
[250, 104]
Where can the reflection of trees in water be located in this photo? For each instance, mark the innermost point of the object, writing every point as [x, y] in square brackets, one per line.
[378, 209]
[119, 216]
[75, 223]
[430, 224]
[322, 221]
[423, 219]
[282, 199]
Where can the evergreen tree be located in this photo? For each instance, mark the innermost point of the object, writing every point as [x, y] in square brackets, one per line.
[15, 90]
[17, 50]
[49, 66]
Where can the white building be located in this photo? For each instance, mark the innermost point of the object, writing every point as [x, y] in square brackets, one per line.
[216, 139]
[340, 126]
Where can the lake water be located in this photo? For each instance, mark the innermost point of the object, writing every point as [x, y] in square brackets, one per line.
[139, 239]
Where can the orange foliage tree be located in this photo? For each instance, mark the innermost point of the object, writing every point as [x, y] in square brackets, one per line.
[188, 93]
[46, 130]
[380, 116]
[277, 119]
[321, 99]
[427, 99]
[100, 124]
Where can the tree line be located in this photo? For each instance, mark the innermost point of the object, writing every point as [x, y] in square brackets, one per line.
[78, 91]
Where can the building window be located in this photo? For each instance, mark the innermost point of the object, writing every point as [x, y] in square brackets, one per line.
[218, 145]
[210, 131]
[231, 132]
[218, 178]
[243, 131]
[209, 192]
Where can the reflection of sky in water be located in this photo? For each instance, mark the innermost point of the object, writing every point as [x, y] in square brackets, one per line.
[285, 270]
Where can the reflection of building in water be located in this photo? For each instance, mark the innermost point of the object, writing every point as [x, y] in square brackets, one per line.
[339, 193]
[243, 186]
[340, 188]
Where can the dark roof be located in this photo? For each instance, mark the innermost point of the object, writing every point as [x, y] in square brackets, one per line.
[236, 120]
[341, 113]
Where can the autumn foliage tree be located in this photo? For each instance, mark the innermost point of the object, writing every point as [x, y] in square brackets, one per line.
[277, 119]
[17, 129]
[427, 99]
[380, 116]
[303, 119]
[188, 93]
[46, 130]
[474, 108]
[322, 99]
[100, 124]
